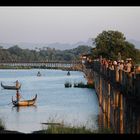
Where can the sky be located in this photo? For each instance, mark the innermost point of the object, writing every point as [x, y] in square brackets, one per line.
[66, 24]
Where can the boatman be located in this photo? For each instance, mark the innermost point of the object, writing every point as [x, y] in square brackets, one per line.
[18, 96]
[17, 84]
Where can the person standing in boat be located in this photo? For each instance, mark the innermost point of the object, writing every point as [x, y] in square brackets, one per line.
[18, 95]
[17, 84]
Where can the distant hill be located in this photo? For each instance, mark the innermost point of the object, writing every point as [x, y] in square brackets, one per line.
[56, 45]
[59, 46]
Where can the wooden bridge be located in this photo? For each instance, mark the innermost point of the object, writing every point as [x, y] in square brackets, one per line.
[73, 65]
[119, 97]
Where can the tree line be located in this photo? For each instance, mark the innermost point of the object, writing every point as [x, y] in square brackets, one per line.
[15, 53]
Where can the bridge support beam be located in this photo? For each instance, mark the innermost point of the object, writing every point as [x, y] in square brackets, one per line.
[121, 114]
[108, 109]
[100, 91]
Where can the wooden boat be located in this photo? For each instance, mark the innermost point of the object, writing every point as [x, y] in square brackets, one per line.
[24, 102]
[68, 73]
[39, 74]
[67, 85]
[10, 87]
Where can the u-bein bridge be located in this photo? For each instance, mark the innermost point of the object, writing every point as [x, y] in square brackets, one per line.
[118, 93]
[70, 65]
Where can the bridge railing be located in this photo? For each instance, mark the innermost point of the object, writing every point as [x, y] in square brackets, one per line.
[45, 61]
[65, 65]
[128, 83]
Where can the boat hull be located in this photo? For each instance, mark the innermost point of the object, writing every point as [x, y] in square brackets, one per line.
[24, 102]
[10, 87]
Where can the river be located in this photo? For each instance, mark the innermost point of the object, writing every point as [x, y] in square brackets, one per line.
[72, 106]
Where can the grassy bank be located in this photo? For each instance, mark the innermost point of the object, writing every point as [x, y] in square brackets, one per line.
[72, 130]
[60, 128]
[66, 130]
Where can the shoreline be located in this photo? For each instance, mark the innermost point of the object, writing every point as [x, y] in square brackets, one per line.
[10, 132]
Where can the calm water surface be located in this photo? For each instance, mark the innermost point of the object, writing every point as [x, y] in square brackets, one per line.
[73, 106]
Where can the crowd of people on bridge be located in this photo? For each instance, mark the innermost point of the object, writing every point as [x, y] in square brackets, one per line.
[126, 66]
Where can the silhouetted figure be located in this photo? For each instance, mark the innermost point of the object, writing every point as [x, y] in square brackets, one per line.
[18, 96]
[38, 74]
[17, 84]
[68, 73]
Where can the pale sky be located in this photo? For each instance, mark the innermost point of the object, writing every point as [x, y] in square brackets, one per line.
[66, 24]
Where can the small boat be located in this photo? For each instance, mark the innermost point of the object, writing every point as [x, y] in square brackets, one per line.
[10, 87]
[68, 84]
[38, 74]
[68, 73]
[24, 102]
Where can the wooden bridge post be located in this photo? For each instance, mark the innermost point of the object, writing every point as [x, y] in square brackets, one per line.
[100, 91]
[116, 99]
[117, 75]
[121, 114]
[104, 95]
[104, 120]
[100, 119]
[108, 107]
[104, 106]
[137, 86]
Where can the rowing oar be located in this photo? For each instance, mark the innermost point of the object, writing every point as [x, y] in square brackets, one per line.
[22, 96]
[9, 103]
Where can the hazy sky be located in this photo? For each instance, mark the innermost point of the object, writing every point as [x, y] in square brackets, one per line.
[66, 24]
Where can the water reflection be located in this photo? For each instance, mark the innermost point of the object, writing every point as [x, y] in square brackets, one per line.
[20, 108]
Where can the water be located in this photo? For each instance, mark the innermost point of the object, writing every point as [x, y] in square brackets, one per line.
[73, 106]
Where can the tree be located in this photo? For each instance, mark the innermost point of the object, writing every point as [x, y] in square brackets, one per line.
[111, 43]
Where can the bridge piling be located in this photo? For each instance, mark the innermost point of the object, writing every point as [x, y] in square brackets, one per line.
[116, 89]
